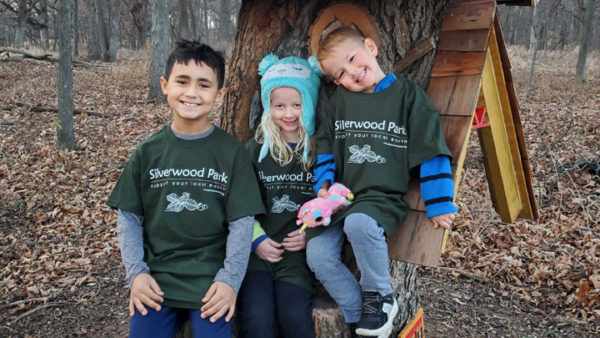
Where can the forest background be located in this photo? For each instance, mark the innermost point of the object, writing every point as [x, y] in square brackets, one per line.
[60, 269]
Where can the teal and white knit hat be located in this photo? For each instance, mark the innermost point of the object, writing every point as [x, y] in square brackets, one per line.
[291, 72]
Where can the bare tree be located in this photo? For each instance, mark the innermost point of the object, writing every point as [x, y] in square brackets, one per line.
[160, 47]
[44, 28]
[589, 8]
[75, 27]
[94, 51]
[114, 41]
[65, 137]
[21, 17]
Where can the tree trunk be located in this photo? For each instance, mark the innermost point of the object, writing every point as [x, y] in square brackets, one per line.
[138, 11]
[589, 7]
[93, 46]
[75, 27]
[103, 28]
[282, 27]
[65, 137]
[115, 36]
[44, 29]
[184, 19]
[160, 47]
[21, 17]
[533, 40]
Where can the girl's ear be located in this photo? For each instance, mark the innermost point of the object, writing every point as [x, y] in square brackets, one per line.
[371, 46]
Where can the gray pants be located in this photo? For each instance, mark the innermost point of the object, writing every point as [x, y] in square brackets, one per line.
[370, 249]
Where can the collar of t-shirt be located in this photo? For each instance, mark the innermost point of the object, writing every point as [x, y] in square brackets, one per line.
[195, 136]
[385, 82]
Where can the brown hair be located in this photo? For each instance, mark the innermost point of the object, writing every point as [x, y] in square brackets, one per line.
[334, 38]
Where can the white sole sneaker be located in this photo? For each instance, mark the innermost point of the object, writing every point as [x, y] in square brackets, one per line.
[386, 329]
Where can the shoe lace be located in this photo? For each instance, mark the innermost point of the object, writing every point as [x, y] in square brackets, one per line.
[371, 303]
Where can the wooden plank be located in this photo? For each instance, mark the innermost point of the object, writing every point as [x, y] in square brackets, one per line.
[497, 149]
[469, 15]
[464, 98]
[470, 40]
[510, 124]
[440, 92]
[456, 130]
[423, 47]
[458, 63]
[416, 241]
[530, 212]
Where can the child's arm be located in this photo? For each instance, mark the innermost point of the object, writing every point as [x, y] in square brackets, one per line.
[220, 297]
[437, 189]
[144, 289]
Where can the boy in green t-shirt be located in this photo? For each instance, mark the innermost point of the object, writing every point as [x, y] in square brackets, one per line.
[186, 202]
[378, 130]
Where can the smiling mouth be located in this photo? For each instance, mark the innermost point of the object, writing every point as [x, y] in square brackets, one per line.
[189, 104]
[360, 76]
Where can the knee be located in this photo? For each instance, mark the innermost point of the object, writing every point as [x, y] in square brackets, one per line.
[294, 315]
[358, 226]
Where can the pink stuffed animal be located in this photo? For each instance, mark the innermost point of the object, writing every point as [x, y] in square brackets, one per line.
[319, 210]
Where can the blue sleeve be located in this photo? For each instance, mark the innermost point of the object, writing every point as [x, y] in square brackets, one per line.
[437, 187]
[131, 242]
[323, 170]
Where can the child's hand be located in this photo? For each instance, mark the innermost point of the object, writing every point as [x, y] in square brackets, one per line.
[444, 221]
[219, 299]
[323, 192]
[295, 241]
[144, 291]
[269, 250]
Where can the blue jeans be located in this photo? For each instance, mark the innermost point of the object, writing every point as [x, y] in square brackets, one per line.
[323, 254]
[263, 300]
[168, 321]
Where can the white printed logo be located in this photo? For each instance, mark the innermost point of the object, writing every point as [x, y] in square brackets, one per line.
[279, 204]
[360, 155]
[178, 203]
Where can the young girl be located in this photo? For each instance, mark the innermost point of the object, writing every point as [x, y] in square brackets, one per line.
[278, 283]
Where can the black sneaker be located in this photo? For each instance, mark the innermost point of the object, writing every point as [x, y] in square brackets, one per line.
[352, 330]
[377, 317]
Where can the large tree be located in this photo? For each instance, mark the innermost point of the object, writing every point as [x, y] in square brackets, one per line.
[160, 47]
[65, 135]
[282, 27]
[584, 47]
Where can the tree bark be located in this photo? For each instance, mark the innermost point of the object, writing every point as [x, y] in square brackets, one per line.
[160, 48]
[75, 27]
[21, 17]
[93, 46]
[184, 19]
[589, 8]
[114, 42]
[281, 27]
[65, 137]
[44, 28]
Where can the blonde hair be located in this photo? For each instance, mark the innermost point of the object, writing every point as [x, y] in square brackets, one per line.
[334, 38]
[279, 148]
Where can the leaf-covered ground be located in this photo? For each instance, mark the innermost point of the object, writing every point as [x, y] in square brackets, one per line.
[60, 270]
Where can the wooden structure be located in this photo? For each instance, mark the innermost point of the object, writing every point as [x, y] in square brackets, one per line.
[470, 81]
[415, 328]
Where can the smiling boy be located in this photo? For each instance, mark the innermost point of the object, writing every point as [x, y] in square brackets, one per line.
[186, 202]
[378, 130]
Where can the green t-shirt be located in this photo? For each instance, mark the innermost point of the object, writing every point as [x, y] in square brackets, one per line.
[187, 191]
[377, 139]
[284, 190]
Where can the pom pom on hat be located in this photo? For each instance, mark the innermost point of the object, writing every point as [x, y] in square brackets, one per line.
[295, 73]
[266, 62]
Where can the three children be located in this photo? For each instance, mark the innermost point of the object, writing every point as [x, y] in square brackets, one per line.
[278, 284]
[187, 198]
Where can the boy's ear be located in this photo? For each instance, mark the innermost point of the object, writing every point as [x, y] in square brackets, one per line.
[371, 46]
[163, 84]
[221, 94]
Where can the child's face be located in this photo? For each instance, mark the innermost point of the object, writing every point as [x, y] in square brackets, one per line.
[192, 91]
[286, 109]
[354, 65]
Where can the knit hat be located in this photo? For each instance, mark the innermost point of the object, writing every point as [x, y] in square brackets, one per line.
[291, 72]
